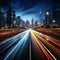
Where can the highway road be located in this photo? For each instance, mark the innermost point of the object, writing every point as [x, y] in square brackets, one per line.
[30, 45]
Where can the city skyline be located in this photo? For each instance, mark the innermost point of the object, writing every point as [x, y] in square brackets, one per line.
[29, 30]
[30, 8]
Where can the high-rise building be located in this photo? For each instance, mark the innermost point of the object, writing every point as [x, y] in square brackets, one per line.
[22, 23]
[14, 18]
[9, 17]
[1, 18]
[32, 22]
[27, 23]
[18, 21]
[36, 23]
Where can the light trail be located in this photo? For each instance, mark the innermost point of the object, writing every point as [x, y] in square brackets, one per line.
[22, 46]
[42, 48]
[7, 41]
[16, 48]
[52, 47]
[48, 44]
[48, 38]
[37, 50]
[16, 36]
[6, 46]
[48, 50]
[30, 50]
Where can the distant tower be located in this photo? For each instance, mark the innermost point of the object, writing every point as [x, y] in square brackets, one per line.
[22, 22]
[32, 22]
[27, 23]
[36, 23]
[18, 21]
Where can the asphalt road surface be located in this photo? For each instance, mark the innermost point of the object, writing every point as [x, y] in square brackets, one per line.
[30, 45]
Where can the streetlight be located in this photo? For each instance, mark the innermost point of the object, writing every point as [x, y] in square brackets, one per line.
[47, 17]
[47, 13]
[53, 21]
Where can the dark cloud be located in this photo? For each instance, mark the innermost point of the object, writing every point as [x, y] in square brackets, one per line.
[4, 3]
[25, 4]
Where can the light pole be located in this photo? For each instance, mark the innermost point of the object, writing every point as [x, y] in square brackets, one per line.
[47, 17]
[53, 21]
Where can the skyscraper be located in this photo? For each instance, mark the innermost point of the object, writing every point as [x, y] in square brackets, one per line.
[36, 23]
[9, 17]
[14, 18]
[18, 21]
[32, 22]
[27, 23]
[1, 18]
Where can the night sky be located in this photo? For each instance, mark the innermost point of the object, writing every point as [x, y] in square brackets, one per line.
[29, 9]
